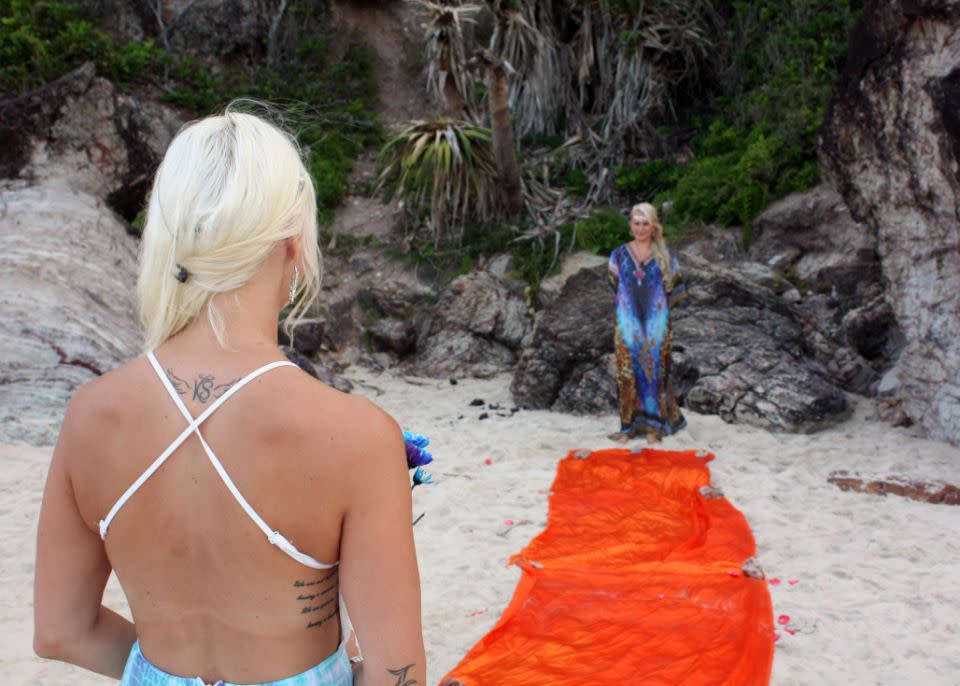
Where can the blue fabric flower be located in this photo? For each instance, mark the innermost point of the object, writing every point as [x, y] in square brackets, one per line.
[417, 455]
[421, 477]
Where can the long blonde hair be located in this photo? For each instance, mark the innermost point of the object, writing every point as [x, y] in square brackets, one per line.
[658, 245]
[229, 188]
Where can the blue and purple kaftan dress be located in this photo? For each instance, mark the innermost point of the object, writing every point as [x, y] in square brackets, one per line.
[642, 340]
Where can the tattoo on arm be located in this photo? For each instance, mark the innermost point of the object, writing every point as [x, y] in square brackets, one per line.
[401, 675]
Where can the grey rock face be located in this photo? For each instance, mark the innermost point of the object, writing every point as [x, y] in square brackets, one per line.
[739, 352]
[591, 388]
[81, 130]
[891, 146]
[475, 329]
[575, 330]
[395, 298]
[67, 284]
[234, 31]
[812, 237]
[715, 245]
[308, 335]
[393, 335]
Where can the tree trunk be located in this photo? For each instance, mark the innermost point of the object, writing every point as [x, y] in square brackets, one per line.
[498, 99]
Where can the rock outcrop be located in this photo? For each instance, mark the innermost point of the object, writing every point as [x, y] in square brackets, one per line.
[740, 352]
[475, 329]
[810, 243]
[67, 276]
[812, 239]
[890, 145]
[81, 130]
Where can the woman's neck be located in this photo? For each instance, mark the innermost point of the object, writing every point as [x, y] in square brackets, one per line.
[249, 323]
[642, 248]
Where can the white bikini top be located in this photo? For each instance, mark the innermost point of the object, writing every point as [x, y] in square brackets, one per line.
[275, 537]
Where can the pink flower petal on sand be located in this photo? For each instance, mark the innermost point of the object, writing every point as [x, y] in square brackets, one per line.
[792, 632]
[509, 522]
[477, 614]
[783, 619]
[488, 461]
[776, 636]
[734, 572]
[774, 581]
[793, 582]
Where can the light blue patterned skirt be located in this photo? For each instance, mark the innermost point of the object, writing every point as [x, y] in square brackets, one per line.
[334, 671]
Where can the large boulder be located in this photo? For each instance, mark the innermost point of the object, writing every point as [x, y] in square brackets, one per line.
[811, 238]
[572, 336]
[890, 145]
[475, 329]
[81, 130]
[739, 352]
[67, 275]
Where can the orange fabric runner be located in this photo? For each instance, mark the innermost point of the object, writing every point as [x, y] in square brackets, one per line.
[635, 580]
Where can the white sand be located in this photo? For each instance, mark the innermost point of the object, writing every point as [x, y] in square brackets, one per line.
[877, 600]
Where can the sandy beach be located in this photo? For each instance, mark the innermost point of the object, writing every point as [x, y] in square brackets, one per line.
[876, 597]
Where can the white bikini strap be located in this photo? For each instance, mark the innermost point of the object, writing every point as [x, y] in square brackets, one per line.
[275, 537]
[194, 424]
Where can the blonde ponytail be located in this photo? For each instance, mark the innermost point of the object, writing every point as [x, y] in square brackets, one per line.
[230, 187]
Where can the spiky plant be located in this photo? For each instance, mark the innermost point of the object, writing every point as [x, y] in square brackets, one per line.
[445, 173]
[448, 79]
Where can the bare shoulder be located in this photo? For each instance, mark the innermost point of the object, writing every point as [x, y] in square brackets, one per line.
[96, 407]
[360, 433]
[357, 421]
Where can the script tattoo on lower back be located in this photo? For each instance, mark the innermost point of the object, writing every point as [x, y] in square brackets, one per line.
[318, 600]
[401, 675]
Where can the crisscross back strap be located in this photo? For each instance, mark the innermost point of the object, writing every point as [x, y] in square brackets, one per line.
[274, 537]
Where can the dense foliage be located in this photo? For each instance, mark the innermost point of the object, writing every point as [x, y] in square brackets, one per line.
[756, 135]
[329, 100]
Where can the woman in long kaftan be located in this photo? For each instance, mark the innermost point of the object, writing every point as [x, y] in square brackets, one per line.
[643, 342]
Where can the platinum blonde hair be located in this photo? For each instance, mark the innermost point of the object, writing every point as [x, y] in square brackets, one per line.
[658, 245]
[229, 188]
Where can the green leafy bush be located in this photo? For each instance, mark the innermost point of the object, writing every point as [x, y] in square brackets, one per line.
[780, 59]
[603, 231]
[329, 100]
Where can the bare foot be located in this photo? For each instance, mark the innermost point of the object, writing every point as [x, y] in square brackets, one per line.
[618, 437]
[653, 437]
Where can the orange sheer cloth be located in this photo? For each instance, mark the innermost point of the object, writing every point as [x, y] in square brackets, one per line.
[635, 580]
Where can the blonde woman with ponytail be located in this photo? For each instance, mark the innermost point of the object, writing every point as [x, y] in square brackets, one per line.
[241, 502]
[644, 275]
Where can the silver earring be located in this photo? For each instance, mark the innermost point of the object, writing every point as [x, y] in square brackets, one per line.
[294, 283]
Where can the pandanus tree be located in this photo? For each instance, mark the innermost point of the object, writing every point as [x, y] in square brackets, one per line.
[600, 73]
[504, 150]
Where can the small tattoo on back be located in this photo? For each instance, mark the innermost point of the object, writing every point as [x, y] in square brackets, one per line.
[203, 388]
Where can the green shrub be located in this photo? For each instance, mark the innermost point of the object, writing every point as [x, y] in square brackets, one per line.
[603, 231]
[646, 180]
[758, 140]
[330, 101]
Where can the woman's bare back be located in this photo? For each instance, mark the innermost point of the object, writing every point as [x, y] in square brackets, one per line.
[210, 595]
